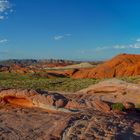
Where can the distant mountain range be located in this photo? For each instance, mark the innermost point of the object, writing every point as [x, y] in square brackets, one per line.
[28, 62]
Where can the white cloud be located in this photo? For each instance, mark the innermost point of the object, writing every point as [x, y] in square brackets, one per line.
[135, 46]
[3, 40]
[4, 5]
[59, 37]
[129, 46]
[5, 8]
[119, 47]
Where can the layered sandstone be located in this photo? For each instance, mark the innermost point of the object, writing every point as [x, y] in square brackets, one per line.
[119, 66]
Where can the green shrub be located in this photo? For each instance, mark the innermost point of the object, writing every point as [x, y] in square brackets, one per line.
[118, 106]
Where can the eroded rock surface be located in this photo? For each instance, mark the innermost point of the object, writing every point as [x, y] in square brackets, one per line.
[84, 115]
[92, 125]
[32, 98]
[113, 90]
[31, 124]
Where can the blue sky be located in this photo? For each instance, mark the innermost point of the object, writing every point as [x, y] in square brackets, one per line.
[69, 29]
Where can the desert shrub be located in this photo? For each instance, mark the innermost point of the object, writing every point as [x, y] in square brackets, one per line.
[118, 106]
[12, 80]
[131, 79]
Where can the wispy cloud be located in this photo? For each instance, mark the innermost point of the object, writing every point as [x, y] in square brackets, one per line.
[129, 46]
[134, 46]
[59, 37]
[5, 8]
[3, 40]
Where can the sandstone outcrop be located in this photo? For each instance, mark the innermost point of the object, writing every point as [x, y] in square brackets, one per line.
[113, 90]
[32, 98]
[119, 66]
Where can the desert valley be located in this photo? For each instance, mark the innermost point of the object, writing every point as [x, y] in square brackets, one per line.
[70, 100]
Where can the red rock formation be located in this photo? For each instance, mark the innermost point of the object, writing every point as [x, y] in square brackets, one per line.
[32, 98]
[119, 66]
[18, 69]
[18, 101]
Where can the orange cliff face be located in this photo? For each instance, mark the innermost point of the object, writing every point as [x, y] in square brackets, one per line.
[119, 66]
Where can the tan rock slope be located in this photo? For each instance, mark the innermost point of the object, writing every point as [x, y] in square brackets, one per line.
[121, 65]
[76, 66]
[113, 90]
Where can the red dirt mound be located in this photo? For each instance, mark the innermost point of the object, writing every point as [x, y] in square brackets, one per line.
[119, 66]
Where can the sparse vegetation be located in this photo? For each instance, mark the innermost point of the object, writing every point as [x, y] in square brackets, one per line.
[118, 106]
[12, 80]
[132, 79]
